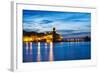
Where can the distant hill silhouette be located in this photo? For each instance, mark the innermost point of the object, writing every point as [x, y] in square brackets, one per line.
[26, 33]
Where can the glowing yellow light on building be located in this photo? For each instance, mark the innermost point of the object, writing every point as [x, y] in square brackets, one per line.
[27, 39]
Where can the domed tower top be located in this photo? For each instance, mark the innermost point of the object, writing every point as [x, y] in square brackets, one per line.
[54, 29]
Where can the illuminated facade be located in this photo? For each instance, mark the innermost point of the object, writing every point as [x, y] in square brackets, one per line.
[47, 37]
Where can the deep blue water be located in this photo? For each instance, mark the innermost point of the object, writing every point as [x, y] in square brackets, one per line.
[34, 52]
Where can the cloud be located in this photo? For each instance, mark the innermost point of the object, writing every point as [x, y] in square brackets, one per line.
[45, 21]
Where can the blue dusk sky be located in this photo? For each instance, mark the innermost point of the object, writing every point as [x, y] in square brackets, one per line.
[66, 23]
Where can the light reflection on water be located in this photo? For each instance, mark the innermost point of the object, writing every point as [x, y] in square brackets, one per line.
[51, 52]
[37, 52]
[27, 47]
[38, 57]
[31, 47]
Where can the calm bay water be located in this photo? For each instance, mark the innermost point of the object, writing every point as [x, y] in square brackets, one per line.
[37, 52]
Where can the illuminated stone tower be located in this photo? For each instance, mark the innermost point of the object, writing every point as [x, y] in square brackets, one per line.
[54, 34]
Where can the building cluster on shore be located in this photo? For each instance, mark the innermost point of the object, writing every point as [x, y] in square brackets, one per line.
[42, 37]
